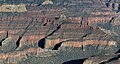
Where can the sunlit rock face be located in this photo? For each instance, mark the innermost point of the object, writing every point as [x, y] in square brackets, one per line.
[13, 8]
[47, 2]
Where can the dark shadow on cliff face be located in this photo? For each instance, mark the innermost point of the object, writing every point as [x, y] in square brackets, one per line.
[107, 3]
[118, 8]
[78, 61]
[57, 28]
[4, 39]
[18, 42]
[45, 24]
[41, 43]
[23, 33]
[57, 46]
